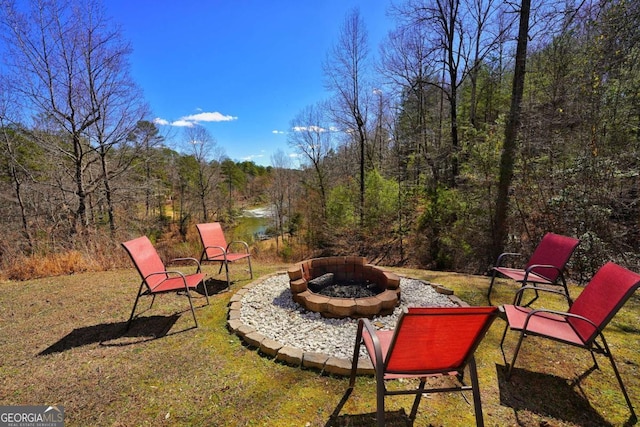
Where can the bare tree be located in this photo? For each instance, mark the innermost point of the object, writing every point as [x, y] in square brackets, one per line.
[119, 101]
[442, 22]
[280, 191]
[346, 71]
[458, 35]
[380, 147]
[406, 65]
[203, 147]
[488, 31]
[11, 141]
[146, 138]
[311, 137]
[72, 68]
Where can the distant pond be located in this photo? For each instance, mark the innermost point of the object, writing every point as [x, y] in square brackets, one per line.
[253, 224]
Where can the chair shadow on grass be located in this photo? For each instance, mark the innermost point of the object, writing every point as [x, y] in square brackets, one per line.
[214, 286]
[142, 329]
[397, 418]
[548, 395]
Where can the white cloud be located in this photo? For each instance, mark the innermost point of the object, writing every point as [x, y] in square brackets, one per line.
[309, 129]
[194, 119]
[251, 157]
[183, 123]
[278, 132]
[209, 117]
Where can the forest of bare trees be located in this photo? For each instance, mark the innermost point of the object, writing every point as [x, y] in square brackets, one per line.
[476, 126]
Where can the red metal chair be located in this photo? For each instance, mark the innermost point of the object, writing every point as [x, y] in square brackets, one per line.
[546, 265]
[216, 249]
[426, 342]
[156, 279]
[583, 325]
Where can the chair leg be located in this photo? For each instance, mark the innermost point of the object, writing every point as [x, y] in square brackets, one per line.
[352, 380]
[135, 304]
[619, 378]
[475, 387]
[250, 269]
[225, 264]
[518, 300]
[380, 393]
[192, 309]
[356, 357]
[204, 286]
[504, 335]
[515, 355]
[593, 357]
[226, 268]
[566, 289]
[493, 278]
[416, 401]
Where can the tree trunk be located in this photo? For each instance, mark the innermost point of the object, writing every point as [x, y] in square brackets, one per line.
[107, 191]
[17, 185]
[81, 195]
[511, 133]
[453, 101]
[362, 174]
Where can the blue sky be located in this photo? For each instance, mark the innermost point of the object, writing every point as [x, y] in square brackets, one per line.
[241, 68]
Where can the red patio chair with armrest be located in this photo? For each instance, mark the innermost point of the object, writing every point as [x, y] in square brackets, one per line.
[426, 342]
[216, 248]
[546, 265]
[156, 279]
[583, 324]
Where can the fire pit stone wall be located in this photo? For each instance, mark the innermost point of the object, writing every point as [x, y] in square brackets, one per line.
[344, 268]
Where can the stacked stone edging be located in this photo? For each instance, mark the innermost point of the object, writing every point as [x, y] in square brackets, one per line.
[344, 268]
[294, 356]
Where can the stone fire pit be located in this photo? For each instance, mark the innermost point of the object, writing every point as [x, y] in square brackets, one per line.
[374, 291]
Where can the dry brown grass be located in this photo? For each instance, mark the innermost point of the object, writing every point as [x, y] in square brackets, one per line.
[63, 342]
[29, 267]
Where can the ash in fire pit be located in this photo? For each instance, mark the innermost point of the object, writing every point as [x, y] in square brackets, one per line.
[347, 288]
[344, 287]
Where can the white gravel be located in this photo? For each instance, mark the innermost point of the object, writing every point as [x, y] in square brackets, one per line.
[269, 308]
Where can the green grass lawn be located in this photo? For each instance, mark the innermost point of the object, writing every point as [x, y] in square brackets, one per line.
[63, 342]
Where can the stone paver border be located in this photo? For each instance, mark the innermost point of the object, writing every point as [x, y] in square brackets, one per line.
[294, 356]
[302, 274]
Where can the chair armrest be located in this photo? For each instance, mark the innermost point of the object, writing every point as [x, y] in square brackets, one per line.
[240, 242]
[377, 348]
[222, 250]
[195, 261]
[534, 288]
[356, 348]
[547, 266]
[166, 273]
[504, 255]
[558, 313]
